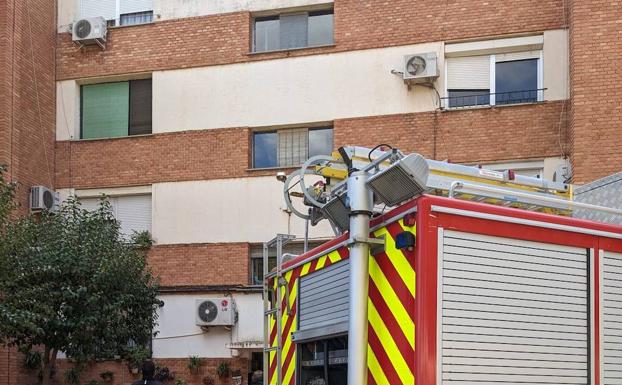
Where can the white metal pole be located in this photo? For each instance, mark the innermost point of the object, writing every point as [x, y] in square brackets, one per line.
[360, 199]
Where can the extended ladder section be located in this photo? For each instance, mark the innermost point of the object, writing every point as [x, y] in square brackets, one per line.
[273, 313]
[460, 181]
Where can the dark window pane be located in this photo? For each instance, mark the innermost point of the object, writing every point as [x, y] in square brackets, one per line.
[320, 141]
[257, 267]
[312, 361]
[140, 107]
[324, 361]
[516, 81]
[465, 98]
[266, 34]
[338, 360]
[137, 18]
[293, 30]
[264, 149]
[320, 28]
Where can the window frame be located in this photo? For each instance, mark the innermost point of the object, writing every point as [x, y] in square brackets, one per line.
[276, 131]
[113, 200]
[326, 364]
[277, 16]
[120, 18]
[129, 99]
[492, 82]
[116, 21]
[313, 243]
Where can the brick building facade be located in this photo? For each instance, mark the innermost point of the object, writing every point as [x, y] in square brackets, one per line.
[212, 92]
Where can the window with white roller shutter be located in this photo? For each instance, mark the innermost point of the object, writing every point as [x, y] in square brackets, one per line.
[512, 311]
[501, 78]
[468, 80]
[133, 211]
[611, 318]
[118, 12]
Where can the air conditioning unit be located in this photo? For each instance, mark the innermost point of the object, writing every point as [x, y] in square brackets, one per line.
[215, 312]
[42, 198]
[420, 68]
[91, 30]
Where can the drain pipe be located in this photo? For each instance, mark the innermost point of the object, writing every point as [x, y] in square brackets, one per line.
[360, 199]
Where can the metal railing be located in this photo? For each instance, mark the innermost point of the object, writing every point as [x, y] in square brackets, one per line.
[476, 99]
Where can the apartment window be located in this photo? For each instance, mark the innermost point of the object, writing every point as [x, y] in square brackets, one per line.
[296, 248]
[118, 12]
[290, 147]
[136, 18]
[132, 211]
[494, 79]
[324, 361]
[115, 109]
[293, 30]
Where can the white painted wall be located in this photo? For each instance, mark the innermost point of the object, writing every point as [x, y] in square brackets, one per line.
[67, 110]
[227, 210]
[173, 9]
[289, 91]
[67, 14]
[556, 65]
[179, 336]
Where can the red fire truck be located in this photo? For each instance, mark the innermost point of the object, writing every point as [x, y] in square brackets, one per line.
[493, 283]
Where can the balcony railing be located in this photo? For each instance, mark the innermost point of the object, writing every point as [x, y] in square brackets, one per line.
[478, 99]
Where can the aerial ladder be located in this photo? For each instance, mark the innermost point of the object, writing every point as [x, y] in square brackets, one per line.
[355, 184]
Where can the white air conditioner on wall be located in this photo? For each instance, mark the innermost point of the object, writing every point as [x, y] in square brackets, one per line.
[420, 68]
[42, 198]
[91, 30]
[215, 312]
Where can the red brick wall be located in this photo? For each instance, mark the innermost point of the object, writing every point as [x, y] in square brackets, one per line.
[6, 28]
[477, 135]
[27, 63]
[225, 38]
[596, 96]
[516, 132]
[201, 264]
[12, 371]
[179, 367]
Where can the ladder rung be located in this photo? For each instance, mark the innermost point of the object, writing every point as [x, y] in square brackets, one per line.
[271, 349]
[271, 274]
[271, 311]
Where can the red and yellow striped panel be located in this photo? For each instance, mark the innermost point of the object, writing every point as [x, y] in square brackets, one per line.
[391, 305]
[289, 321]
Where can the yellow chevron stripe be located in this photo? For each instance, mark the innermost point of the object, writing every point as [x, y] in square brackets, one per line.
[399, 261]
[273, 377]
[392, 300]
[305, 269]
[321, 262]
[389, 345]
[334, 256]
[285, 316]
[375, 369]
[289, 372]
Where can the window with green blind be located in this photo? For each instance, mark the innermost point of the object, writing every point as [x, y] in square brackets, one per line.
[117, 109]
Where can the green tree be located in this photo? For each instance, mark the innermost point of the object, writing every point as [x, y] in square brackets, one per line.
[70, 282]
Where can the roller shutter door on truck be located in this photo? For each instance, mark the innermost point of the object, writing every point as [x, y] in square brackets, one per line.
[611, 318]
[324, 297]
[513, 312]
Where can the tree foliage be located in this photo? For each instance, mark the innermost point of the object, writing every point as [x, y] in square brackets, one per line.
[70, 282]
